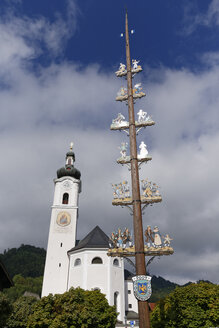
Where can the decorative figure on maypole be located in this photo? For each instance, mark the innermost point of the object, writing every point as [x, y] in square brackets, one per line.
[137, 88]
[146, 188]
[135, 64]
[121, 243]
[120, 240]
[122, 67]
[149, 236]
[121, 190]
[122, 92]
[167, 240]
[149, 189]
[122, 71]
[123, 149]
[143, 117]
[119, 121]
[126, 189]
[143, 150]
[157, 237]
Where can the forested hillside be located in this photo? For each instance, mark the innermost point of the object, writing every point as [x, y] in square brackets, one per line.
[161, 288]
[26, 260]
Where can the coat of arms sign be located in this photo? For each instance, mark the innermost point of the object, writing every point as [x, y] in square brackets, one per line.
[142, 287]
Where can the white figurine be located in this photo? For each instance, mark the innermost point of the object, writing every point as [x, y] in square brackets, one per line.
[157, 237]
[122, 67]
[141, 115]
[167, 240]
[135, 63]
[120, 120]
[148, 118]
[143, 150]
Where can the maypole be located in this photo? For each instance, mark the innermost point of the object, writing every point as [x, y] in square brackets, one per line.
[121, 242]
[144, 319]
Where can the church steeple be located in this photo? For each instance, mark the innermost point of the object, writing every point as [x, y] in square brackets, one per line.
[63, 227]
[69, 169]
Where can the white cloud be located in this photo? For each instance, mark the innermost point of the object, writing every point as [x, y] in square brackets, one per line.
[193, 18]
[212, 16]
[26, 35]
[41, 113]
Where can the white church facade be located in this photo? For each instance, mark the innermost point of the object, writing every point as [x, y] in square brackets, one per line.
[85, 263]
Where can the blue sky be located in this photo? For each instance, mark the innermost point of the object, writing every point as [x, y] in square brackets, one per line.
[57, 85]
[166, 32]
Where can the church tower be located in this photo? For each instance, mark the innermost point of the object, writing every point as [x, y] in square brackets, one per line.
[63, 224]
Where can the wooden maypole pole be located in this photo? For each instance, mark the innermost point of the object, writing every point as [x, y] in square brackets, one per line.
[143, 309]
[120, 244]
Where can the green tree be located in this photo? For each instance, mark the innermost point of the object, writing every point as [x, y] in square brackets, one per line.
[21, 285]
[192, 306]
[21, 310]
[5, 309]
[26, 260]
[73, 309]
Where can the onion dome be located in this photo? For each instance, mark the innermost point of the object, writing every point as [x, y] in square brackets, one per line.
[70, 154]
[69, 169]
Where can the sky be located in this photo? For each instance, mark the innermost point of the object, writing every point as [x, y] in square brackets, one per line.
[57, 85]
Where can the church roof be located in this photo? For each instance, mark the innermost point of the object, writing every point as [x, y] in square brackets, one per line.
[131, 315]
[69, 169]
[128, 275]
[95, 239]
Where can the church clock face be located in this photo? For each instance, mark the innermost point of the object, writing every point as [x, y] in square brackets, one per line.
[63, 219]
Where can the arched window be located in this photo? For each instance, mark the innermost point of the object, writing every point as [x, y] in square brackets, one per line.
[77, 262]
[116, 262]
[97, 260]
[116, 294]
[65, 198]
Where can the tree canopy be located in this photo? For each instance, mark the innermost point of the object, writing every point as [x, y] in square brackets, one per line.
[73, 309]
[192, 306]
[21, 311]
[22, 285]
[5, 309]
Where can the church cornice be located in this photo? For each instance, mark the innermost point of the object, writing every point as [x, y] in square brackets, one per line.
[67, 177]
[80, 250]
[62, 206]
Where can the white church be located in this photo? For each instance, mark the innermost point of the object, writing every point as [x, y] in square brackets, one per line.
[85, 263]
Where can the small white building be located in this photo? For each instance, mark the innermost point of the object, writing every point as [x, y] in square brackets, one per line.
[84, 264]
